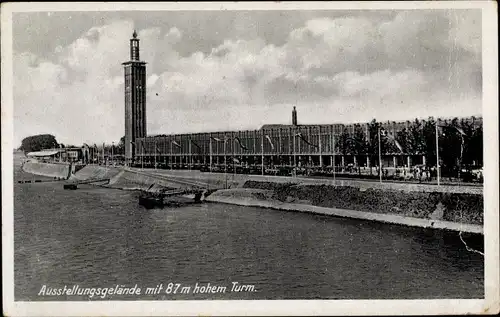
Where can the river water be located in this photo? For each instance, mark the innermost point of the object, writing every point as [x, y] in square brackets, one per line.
[97, 237]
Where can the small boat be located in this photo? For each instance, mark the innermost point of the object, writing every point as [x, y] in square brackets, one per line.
[167, 199]
[70, 186]
[150, 201]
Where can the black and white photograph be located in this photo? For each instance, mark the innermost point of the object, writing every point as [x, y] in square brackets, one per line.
[250, 158]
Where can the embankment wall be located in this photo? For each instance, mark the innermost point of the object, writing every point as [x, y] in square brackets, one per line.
[136, 180]
[454, 207]
[95, 172]
[47, 169]
[238, 180]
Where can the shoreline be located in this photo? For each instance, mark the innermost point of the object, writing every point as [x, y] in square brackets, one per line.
[245, 198]
[132, 180]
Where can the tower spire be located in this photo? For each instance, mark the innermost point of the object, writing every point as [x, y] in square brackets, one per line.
[134, 47]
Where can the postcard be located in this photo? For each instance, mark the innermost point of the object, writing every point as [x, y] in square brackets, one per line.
[250, 158]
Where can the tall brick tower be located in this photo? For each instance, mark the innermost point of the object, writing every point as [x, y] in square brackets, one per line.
[135, 99]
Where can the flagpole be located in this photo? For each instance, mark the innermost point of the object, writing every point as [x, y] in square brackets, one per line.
[461, 156]
[190, 156]
[262, 151]
[133, 152]
[437, 154]
[142, 154]
[379, 156]
[164, 156]
[333, 153]
[225, 161]
[225, 157]
[211, 159]
[294, 155]
[320, 150]
[171, 157]
[103, 146]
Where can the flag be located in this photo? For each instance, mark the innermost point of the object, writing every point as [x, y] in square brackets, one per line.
[459, 130]
[195, 144]
[157, 148]
[305, 140]
[235, 160]
[216, 139]
[239, 142]
[270, 141]
[398, 145]
[383, 132]
[175, 143]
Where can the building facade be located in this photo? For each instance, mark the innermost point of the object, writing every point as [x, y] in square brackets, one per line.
[280, 145]
[292, 145]
[135, 98]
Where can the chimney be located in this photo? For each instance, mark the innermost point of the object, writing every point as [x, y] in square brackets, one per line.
[294, 117]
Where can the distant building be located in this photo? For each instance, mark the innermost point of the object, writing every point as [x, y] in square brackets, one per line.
[66, 155]
[44, 155]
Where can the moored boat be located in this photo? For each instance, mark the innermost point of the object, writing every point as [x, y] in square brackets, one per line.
[150, 201]
[70, 186]
[168, 199]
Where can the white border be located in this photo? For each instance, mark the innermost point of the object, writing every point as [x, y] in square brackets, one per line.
[490, 305]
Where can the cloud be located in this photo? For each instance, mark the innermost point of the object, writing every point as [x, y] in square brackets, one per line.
[344, 69]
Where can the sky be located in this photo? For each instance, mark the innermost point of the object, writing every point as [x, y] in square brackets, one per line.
[233, 70]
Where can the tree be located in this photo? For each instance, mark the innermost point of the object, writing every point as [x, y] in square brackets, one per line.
[428, 145]
[470, 148]
[359, 140]
[344, 143]
[450, 147]
[373, 127]
[475, 147]
[403, 138]
[120, 148]
[415, 138]
[38, 143]
[373, 147]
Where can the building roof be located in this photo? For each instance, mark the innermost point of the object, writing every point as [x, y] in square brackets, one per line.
[274, 126]
[278, 126]
[43, 153]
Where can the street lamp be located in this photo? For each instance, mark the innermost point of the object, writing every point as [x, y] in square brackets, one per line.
[112, 153]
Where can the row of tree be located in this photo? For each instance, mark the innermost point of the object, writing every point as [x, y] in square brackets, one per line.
[48, 141]
[460, 142]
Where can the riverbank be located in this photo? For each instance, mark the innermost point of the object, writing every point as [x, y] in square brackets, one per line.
[459, 209]
[267, 199]
[231, 180]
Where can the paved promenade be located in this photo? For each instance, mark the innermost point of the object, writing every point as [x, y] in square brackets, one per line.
[237, 180]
